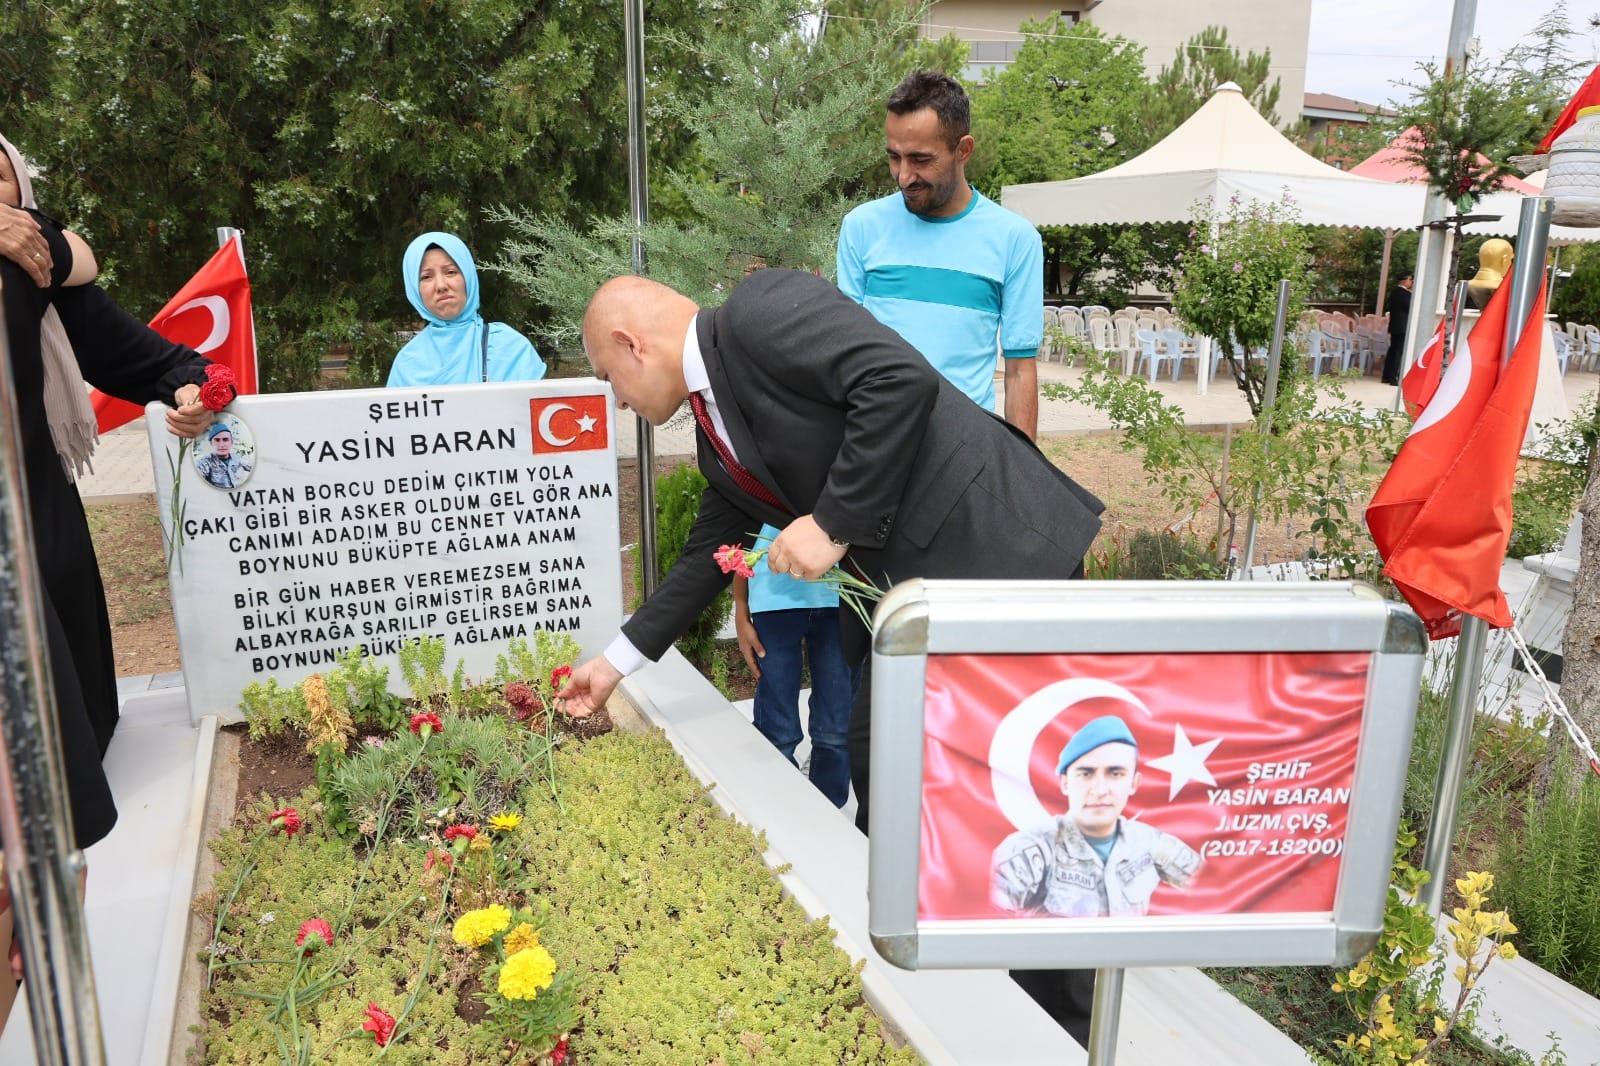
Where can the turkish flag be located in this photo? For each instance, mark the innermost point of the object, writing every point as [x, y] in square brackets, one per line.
[1588, 96]
[1422, 380]
[1244, 767]
[1436, 439]
[569, 423]
[1451, 552]
[212, 315]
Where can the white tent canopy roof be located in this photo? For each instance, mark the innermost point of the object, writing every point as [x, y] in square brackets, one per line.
[1225, 149]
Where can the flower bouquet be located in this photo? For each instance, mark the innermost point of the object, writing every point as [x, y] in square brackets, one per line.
[855, 592]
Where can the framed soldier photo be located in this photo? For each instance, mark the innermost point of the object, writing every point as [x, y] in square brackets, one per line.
[1136, 773]
[225, 452]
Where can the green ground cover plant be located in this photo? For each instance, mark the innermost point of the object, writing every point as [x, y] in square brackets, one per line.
[498, 888]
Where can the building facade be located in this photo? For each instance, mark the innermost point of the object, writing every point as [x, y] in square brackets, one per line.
[992, 29]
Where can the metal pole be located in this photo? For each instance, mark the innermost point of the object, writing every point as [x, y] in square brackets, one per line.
[1383, 271]
[1533, 237]
[639, 199]
[1269, 397]
[1105, 1017]
[1433, 249]
[42, 863]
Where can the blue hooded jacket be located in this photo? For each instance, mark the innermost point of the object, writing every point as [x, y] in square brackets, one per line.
[449, 351]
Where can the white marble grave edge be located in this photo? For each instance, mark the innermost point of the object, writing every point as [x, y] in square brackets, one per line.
[949, 1016]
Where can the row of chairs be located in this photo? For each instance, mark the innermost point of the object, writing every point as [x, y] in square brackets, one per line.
[1578, 345]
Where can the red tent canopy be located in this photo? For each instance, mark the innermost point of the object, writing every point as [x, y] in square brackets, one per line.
[1390, 163]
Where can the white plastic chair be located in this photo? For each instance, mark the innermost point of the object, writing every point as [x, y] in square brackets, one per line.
[1151, 354]
[1178, 347]
[1089, 309]
[1123, 329]
[1591, 347]
[1100, 336]
[1563, 349]
[1319, 349]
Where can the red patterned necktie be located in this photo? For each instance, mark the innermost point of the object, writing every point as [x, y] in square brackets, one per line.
[741, 477]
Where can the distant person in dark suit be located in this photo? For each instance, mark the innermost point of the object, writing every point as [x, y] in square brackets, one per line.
[1399, 318]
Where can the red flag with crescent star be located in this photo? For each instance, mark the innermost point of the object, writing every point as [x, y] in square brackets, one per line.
[1243, 765]
[1449, 555]
[1434, 443]
[212, 315]
[1422, 380]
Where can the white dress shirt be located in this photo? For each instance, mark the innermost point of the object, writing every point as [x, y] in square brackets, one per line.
[621, 653]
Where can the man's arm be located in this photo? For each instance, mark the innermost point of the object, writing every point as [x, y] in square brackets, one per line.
[1017, 872]
[852, 275]
[1022, 329]
[817, 342]
[1176, 862]
[1022, 395]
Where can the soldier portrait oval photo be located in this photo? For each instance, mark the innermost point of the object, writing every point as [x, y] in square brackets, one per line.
[225, 453]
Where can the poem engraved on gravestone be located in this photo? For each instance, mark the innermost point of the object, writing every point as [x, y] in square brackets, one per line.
[474, 514]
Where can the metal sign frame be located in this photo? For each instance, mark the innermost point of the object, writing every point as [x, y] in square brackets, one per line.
[922, 618]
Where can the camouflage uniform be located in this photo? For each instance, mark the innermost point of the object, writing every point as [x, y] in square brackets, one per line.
[1054, 870]
[223, 473]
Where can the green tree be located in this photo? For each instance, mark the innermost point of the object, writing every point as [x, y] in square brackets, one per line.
[1060, 110]
[331, 133]
[1467, 124]
[1202, 63]
[785, 147]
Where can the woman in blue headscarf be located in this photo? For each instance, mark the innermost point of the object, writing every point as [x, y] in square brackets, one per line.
[457, 346]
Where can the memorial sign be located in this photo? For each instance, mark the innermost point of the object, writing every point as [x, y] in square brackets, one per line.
[475, 514]
[1120, 774]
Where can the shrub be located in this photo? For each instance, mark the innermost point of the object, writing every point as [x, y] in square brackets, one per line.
[1547, 495]
[1547, 869]
[677, 504]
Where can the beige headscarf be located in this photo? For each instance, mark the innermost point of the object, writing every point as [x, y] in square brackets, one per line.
[66, 397]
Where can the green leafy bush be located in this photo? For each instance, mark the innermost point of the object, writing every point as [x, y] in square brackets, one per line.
[1546, 869]
[1547, 495]
[677, 504]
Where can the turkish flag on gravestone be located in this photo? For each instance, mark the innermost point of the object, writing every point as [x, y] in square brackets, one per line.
[1441, 519]
[1245, 763]
[212, 315]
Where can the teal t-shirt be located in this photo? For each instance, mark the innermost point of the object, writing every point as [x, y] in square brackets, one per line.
[958, 289]
[1102, 845]
[780, 592]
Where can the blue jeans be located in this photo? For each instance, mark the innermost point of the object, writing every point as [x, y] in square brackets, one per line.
[833, 688]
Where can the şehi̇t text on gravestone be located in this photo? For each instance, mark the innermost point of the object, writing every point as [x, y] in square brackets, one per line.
[319, 522]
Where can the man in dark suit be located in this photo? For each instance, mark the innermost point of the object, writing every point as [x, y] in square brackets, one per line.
[1399, 318]
[816, 418]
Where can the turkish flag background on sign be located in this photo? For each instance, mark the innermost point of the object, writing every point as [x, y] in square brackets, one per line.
[1206, 726]
[569, 423]
[1451, 552]
[212, 315]
[1422, 380]
[1434, 443]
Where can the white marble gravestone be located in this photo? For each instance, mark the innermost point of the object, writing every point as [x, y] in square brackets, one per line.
[321, 521]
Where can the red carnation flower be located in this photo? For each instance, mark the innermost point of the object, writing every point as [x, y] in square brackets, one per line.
[522, 700]
[731, 559]
[463, 832]
[559, 677]
[426, 723]
[286, 820]
[380, 1023]
[558, 1054]
[218, 391]
[318, 932]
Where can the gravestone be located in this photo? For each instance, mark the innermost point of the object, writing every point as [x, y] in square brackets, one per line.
[316, 522]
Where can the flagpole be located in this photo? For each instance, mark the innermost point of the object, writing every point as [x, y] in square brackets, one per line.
[639, 200]
[1527, 272]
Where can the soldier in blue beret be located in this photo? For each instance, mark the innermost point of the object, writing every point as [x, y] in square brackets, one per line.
[1091, 861]
[222, 467]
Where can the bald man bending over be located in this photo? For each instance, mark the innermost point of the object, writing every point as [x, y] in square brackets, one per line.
[817, 419]
[814, 417]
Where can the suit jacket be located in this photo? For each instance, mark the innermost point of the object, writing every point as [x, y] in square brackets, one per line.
[844, 420]
[1399, 311]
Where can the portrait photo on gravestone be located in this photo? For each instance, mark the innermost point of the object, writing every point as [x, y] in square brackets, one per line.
[473, 514]
[1118, 785]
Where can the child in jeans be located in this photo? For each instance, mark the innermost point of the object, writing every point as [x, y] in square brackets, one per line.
[778, 619]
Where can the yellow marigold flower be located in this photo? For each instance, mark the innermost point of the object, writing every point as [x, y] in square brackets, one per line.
[526, 973]
[480, 843]
[476, 928]
[1508, 950]
[523, 937]
[505, 821]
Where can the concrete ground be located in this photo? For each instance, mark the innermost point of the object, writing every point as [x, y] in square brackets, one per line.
[122, 465]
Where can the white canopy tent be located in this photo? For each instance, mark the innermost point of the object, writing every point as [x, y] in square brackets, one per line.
[1227, 149]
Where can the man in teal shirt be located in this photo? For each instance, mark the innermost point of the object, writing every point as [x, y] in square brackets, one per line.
[954, 273]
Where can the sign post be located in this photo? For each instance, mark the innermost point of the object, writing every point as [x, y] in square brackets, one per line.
[1084, 774]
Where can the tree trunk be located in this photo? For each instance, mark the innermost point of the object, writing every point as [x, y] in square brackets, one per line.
[1580, 651]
